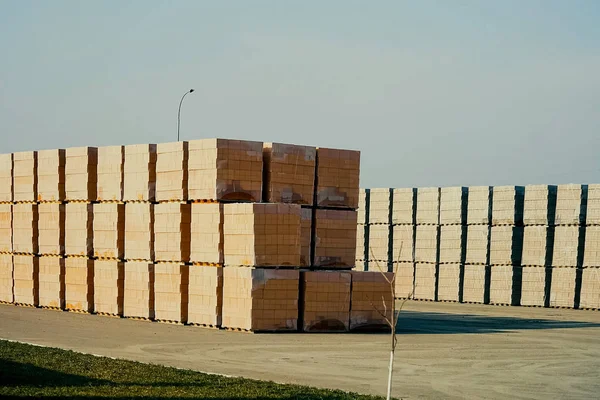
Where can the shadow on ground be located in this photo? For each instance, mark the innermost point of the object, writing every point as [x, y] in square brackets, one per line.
[442, 323]
[25, 380]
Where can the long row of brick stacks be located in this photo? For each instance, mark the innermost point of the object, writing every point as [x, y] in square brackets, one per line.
[537, 245]
[222, 233]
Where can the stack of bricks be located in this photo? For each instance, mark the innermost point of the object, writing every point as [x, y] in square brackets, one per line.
[371, 299]
[109, 252]
[262, 254]
[6, 248]
[427, 243]
[51, 227]
[538, 241]
[205, 292]
[145, 231]
[506, 244]
[590, 274]
[476, 268]
[139, 195]
[379, 230]
[218, 171]
[569, 242]
[25, 229]
[334, 209]
[326, 301]
[362, 237]
[453, 240]
[403, 222]
[109, 232]
[81, 179]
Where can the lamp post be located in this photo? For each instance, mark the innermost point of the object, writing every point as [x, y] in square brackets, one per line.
[179, 112]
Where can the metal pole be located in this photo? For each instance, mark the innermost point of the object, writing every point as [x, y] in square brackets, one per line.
[179, 112]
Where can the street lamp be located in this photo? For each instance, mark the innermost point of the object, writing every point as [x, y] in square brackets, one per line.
[179, 112]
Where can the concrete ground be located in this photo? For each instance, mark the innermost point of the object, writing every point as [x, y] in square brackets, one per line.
[445, 350]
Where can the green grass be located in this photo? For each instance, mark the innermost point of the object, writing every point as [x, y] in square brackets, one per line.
[31, 371]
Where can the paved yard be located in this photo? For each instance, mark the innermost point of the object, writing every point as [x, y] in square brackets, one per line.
[445, 350]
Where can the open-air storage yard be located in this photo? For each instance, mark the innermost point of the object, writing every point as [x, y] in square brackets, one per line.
[445, 351]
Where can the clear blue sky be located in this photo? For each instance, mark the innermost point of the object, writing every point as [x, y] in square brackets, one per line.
[434, 93]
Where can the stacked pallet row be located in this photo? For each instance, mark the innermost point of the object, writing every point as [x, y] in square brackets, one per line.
[453, 235]
[403, 215]
[426, 245]
[361, 259]
[506, 245]
[24, 229]
[51, 196]
[144, 231]
[539, 211]
[568, 246]
[590, 275]
[6, 205]
[379, 228]
[477, 255]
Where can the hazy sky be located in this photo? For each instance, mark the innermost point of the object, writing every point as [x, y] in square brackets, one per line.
[433, 93]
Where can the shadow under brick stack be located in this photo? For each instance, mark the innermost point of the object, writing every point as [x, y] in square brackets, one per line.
[453, 241]
[539, 211]
[427, 243]
[403, 241]
[476, 271]
[506, 245]
[569, 241]
[590, 275]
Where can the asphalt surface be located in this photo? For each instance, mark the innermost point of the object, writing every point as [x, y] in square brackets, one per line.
[445, 350]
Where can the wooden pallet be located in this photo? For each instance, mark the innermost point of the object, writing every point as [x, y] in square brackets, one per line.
[51, 308]
[138, 318]
[76, 311]
[207, 326]
[169, 322]
[25, 305]
[110, 315]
